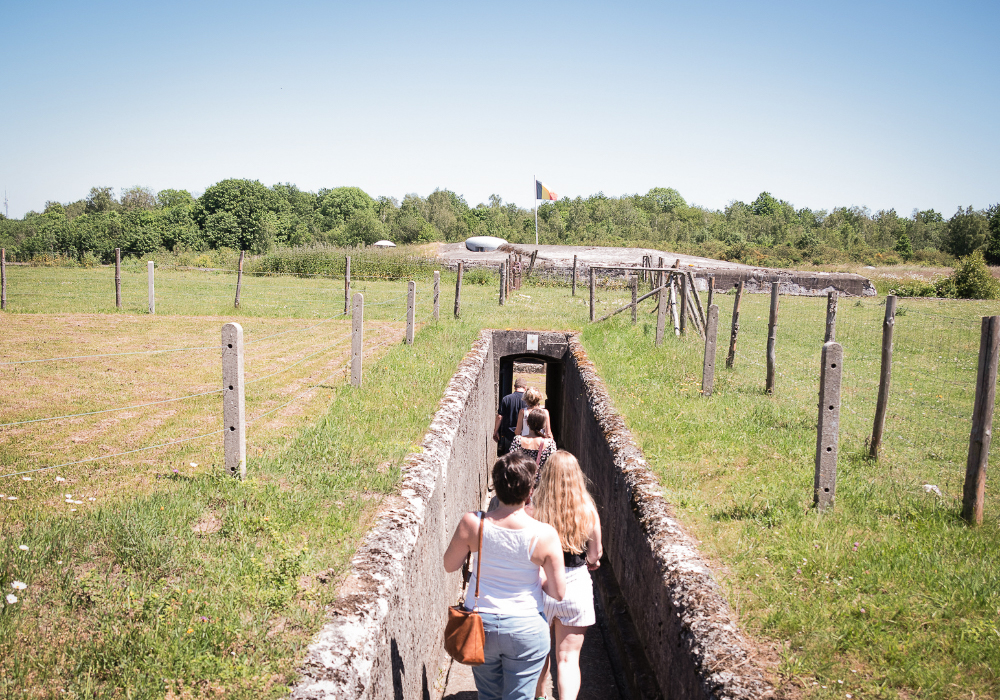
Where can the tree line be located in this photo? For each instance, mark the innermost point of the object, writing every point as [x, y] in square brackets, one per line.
[248, 215]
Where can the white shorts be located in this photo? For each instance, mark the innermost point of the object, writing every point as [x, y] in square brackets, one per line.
[576, 609]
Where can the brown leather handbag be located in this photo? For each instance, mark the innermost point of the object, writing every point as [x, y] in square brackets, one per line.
[463, 635]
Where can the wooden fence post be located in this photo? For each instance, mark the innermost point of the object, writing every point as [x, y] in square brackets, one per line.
[828, 427]
[118, 278]
[503, 283]
[772, 338]
[347, 283]
[234, 426]
[591, 271]
[411, 310]
[531, 264]
[659, 275]
[831, 318]
[884, 377]
[357, 337]
[661, 315]
[239, 280]
[711, 289]
[574, 276]
[674, 316]
[708, 367]
[152, 295]
[437, 294]
[974, 491]
[684, 303]
[635, 295]
[735, 331]
[458, 289]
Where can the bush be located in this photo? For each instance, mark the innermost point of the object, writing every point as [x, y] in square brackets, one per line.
[973, 279]
[480, 276]
[914, 288]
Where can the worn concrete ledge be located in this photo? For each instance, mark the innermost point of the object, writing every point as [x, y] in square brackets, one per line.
[687, 629]
[388, 621]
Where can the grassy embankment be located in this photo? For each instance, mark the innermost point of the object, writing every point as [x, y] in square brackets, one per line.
[890, 593]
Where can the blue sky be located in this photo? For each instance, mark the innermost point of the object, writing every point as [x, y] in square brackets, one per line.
[878, 104]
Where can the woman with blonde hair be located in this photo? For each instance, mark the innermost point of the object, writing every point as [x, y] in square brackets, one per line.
[562, 500]
[533, 399]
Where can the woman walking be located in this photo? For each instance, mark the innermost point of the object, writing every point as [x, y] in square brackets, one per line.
[535, 446]
[516, 550]
[533, 399]
[562, 500]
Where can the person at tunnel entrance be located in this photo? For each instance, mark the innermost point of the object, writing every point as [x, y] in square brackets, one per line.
[535, 446]
[510, 407]
[533, 399]
[562, 500]
[521, 559]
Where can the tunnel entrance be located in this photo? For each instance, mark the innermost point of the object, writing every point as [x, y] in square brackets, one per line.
[543, 373]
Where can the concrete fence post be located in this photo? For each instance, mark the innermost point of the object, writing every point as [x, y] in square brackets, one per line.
[591, 271]
[674, 317]
[118, 278]
[884, 377]
[347, 283]
[735, 330]
[661, 314]
[458, 289]
[772, 339]
[574, 276]
[828, 427]
[708, 367]
[831, 318]
[684, 303]
[357, 337]
[974, 491]
[635, 295]
[239, 280]
[437, 294]
[233, 402]
[3, 278]
[503, 283]
[411, 308]
[152, 295]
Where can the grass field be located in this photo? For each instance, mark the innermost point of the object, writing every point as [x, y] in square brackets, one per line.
[177, 581]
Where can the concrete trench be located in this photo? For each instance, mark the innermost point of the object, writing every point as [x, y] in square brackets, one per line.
[665, 629]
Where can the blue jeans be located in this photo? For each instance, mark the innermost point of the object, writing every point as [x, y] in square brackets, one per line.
[515, 652]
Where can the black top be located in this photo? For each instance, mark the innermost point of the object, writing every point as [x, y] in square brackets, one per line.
[571, 560]
[510, 406]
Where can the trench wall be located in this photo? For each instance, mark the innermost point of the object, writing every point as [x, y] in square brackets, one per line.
[689, 634]
[384, 637]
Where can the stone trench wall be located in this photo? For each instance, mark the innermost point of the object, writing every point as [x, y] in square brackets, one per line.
[687, 629]
[384, 638]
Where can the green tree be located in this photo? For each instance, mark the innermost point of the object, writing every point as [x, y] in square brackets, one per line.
[252, 211]
[904, 248]
[363, 227]
[992, 252]
[174, 198]
[101, 199]
[339, 204]
[662, 200]
[137, 197]
[766, 205]
[966, 232]
[972, 279]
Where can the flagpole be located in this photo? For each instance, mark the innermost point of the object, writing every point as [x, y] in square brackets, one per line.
[534, 188]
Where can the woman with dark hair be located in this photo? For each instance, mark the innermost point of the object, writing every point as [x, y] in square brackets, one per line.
[536, 446]
[516, 549]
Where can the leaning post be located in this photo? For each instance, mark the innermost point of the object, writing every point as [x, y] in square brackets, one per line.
[772, 339]
[735, 331]
[574, 276]
[234, 426]
[357, 337]
[411, 308]
[458, 289]
[437, 294]
[239, 280]
[974, 491]
[118, 278]
[635, 295]
[828, 427]
[152, 295]
[684, 302]
[884, 377]
[591, 270]
[831, 317]
[661, 314]
[708, 367]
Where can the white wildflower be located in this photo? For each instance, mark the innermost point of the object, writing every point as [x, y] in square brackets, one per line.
[11, 599]
[23, 548]
[931, 488]
[19, 585]
[193, 464]
[59, 478]
[11, 498]
[26, 478]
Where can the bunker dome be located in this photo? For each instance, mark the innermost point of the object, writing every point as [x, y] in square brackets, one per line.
[483, 244]
[383, 244]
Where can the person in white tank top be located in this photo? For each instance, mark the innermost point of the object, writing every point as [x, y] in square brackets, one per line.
[521, 558]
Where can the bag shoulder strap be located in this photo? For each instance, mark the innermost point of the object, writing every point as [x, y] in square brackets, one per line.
[479, 557]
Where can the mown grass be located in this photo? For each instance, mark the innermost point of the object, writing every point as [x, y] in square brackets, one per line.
[198, 585]
[890, 594]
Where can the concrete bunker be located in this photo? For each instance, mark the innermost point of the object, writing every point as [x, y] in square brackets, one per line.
[669, 632]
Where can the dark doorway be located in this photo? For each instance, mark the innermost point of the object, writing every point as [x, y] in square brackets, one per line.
[540, 366]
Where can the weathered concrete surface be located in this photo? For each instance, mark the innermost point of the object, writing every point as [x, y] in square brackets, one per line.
[559, 259]
[384, 638]
[688, 632]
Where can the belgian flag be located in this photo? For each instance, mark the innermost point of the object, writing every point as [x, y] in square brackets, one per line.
[543, 192]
